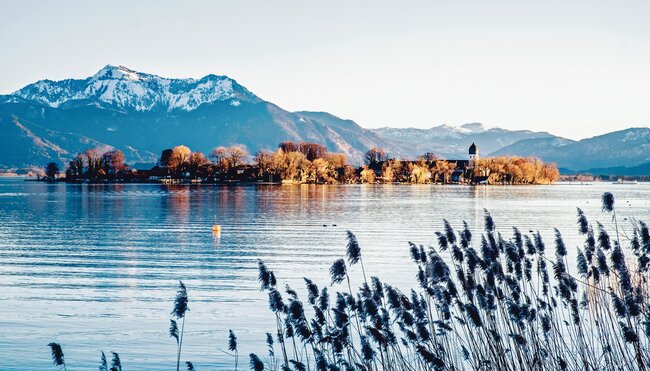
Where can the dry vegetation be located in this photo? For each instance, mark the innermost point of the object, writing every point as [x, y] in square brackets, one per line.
[486, 303]
[305, 162]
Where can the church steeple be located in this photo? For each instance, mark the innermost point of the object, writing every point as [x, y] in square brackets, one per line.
[473, 155]
[473, 150]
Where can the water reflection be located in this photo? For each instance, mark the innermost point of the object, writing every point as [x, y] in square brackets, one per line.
[74, 256]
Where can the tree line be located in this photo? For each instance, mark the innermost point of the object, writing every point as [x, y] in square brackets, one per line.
[306, 162]
[92, 164]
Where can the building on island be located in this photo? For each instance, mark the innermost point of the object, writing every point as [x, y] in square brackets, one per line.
[463, 170]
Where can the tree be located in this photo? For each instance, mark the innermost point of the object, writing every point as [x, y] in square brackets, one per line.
[288, 146]
[113, 162]
[312, 150]
[442, 170]
[336, 160]
[429, 157]
[388, 172]
[347, 174]
[263, 160]
[292, 166]
[94, 164]
[235, 155]
[51, 170]
[218, 154]
[164, 157]
[367, 175]
[196, 161]
[419, 173]
[375, 156]
[75, 167]
[179, 158]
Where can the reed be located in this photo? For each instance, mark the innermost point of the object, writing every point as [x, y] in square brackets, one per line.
[498, 302]
[180, 309]
[486, 300]
[232, 346]
[57, 354]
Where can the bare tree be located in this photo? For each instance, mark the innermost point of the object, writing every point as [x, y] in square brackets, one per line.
[164, 157]
[51, 170]
[375, 156]
[218, 154]
[429, 157]
[235, 155]
[196, 161]
[75, 167]
[94, 163]
[113, 162]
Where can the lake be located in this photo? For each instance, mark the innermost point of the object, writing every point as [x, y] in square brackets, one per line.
[96, 267]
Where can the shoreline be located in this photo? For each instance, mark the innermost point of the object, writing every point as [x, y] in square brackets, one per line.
[247, 183]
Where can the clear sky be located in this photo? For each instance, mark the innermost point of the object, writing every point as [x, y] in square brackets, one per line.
[574, 68]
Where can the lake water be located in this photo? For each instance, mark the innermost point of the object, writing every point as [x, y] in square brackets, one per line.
[96, 267]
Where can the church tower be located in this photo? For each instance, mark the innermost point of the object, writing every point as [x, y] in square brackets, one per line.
[473, 155]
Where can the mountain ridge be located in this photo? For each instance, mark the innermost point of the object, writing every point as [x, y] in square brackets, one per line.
[627, 147]
[142, 114]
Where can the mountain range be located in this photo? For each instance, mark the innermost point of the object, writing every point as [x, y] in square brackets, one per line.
[142, 114]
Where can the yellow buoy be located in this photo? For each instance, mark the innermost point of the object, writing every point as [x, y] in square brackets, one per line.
[216, 228]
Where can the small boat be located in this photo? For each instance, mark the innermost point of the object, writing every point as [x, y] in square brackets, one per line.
[216, 228]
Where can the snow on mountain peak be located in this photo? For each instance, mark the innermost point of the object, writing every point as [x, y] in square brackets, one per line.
[128, 89]
[113, 72]
[474, 127]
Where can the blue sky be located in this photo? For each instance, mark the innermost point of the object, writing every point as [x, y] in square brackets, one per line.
[574, 68]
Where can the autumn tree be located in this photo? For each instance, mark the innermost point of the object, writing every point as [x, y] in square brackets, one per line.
[442, 170]
[292, 166]
[336, 160]
[289, 146]
[517, 170]
[347, 174]
[113, 162]
[263, 161]
[419, 173]
[178, 159]
[227, 158]
[312, 151]
[367, 175]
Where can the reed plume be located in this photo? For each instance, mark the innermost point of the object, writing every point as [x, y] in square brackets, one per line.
[116, 363]
[232, 346]
[103, 363]
[180, 309]
[57, 354]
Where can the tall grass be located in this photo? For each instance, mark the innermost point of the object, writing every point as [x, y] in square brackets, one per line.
[178, 312]
[484, 301]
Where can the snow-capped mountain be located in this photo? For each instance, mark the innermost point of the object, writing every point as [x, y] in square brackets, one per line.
[126, 89]
[143, 114]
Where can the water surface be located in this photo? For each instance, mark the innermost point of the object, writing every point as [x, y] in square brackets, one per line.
[95, 267]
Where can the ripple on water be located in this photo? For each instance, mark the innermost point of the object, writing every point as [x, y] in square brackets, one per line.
[96, 267]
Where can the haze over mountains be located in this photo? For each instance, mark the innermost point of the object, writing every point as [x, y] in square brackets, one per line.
[142, 114]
